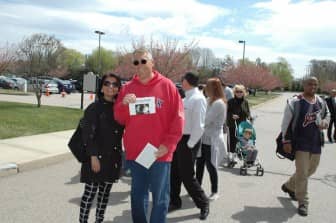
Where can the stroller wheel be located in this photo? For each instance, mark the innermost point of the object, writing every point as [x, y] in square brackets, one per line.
[260, 171]
[232, 164]
[243, 171]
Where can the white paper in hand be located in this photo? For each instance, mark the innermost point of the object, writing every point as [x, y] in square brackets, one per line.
[147, 157]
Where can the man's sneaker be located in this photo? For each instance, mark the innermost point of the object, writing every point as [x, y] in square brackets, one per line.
[204, 213]
[303, 210]
[213, 196]
[290, 193]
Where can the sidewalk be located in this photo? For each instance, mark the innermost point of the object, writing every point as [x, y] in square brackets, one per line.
[29, 152]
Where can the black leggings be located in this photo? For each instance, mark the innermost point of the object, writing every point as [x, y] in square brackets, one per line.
[205, 159]
[87, 198]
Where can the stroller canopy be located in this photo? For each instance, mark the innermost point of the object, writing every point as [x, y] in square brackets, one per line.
[246, 125]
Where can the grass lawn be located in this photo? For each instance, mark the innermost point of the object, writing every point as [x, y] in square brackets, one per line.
[260, 97]
[13, 92]
[18, 119]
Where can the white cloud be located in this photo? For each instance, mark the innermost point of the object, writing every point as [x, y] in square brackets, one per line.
[299, 24]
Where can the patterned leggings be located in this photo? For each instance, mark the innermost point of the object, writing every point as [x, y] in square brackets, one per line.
[87, 198]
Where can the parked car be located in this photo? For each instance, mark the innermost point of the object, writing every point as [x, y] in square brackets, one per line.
[180, 89]
[51, 86]
[20, 82]
[45, 85]
[7, 83]
[65, 85]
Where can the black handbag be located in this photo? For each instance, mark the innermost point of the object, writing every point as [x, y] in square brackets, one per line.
[280, 153]
[76, 144]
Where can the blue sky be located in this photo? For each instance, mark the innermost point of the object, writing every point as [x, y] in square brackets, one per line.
[296, 30]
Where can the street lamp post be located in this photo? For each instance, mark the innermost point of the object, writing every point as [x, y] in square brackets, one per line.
[99, 60]
[243, 41]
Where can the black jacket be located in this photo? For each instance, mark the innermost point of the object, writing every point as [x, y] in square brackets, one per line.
[103, 136]
[238, 107]
[331, 107]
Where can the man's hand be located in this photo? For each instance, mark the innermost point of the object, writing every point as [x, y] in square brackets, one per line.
[129, 98]
[162, 150]
[95, 164]
[287, 147]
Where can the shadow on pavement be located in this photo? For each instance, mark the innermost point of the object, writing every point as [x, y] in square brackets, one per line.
[183, 218]
[329, 180]
[116, 198]
[74, 180]
[125, 217]
[252, 214]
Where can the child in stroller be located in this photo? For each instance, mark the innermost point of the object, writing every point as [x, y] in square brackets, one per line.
[246, 150]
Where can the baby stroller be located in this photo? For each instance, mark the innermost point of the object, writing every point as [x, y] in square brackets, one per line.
[245, 149]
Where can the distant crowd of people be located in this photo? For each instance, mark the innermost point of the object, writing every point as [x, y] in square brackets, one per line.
[188, 135]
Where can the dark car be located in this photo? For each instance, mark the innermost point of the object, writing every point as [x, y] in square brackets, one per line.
[180, 89]
[65, 85]
[7, 83]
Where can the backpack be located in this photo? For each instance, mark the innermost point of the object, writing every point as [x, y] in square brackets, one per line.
[280, 153]
[77, 143]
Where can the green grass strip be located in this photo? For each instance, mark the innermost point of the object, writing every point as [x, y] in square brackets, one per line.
[18, 119]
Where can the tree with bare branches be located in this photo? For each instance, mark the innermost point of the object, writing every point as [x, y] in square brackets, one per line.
[7, 57]
[39, 53]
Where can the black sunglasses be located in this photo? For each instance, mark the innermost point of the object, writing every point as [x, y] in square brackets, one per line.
[110, 84]
[142, 61]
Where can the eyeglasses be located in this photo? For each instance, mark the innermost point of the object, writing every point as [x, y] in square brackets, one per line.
[239, 92]
[110, 84]
[137, 62]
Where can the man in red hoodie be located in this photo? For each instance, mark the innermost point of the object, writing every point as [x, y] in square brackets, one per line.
[161, 126]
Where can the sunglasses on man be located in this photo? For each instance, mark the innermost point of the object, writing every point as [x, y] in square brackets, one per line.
[110, 84]
[137, 62]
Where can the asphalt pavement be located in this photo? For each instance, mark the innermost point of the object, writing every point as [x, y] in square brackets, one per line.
[48, 190]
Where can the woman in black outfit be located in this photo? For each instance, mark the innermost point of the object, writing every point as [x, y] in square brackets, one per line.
[238, 111]
[103, 139]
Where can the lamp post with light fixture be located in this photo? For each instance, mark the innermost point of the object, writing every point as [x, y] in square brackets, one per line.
[99, 59]
[243, 41]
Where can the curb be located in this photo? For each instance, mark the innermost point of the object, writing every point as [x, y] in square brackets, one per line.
[15, 168]
[7, 169]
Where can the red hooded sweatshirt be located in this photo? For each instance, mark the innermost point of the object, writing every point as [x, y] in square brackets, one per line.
[164, 127]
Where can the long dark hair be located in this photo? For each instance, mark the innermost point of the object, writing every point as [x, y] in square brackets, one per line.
[100, 94]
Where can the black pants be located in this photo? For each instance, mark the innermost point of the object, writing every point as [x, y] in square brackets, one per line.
[205, 159]
[233, 139]
[331, 124]
[89, 194]
[182, 171]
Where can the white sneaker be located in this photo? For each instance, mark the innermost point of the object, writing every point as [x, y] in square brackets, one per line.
[213, 196]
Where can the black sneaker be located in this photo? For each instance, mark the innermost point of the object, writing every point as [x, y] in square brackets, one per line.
[204, 213]
[303, 210]
[290, 193]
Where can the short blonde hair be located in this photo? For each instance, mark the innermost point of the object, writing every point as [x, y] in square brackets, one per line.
[239, 87]
[143, 51]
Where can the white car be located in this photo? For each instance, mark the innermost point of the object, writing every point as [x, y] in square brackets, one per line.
[50, 86]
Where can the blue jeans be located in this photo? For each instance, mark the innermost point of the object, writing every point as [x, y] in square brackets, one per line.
[155, 179]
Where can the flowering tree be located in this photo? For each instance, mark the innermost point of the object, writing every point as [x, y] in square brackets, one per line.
[328, 86]
[252, 76]
[169, 59]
